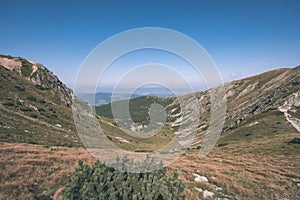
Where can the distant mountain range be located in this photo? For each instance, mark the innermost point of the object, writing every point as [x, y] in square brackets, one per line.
[102, 98]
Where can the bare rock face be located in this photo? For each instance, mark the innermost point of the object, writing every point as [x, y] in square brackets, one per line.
[251, 96]
[39, 75]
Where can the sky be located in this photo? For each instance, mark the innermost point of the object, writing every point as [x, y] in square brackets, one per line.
[243, 38]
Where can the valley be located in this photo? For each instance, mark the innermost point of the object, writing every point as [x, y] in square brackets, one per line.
[256, 157]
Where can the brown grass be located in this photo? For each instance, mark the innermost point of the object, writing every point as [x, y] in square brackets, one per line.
[268, 168]
[36, 172]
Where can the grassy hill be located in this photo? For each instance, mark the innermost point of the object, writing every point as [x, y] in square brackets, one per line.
[256, 157]
[252, 108]
[35, 107]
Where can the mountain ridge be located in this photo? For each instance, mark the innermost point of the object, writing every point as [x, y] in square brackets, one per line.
[256, 156]
[37, 74]
[35, 105]
[246, 98]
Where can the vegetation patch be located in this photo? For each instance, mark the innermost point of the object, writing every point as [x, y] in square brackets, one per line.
[20, 88]
[101, 182]
[222, 144]
[295, 141]
[39, 87]
[34, 115]
[8, 103]
[25, 109]
[248, 134]
[26, 68]
[42, 101]
[31, 98]
[138, 108]
[143, 150]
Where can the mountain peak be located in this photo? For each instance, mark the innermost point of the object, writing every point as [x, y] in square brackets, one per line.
[38, 75]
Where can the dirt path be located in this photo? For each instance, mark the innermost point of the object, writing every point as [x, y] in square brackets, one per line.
[294, 121]
[57, 195]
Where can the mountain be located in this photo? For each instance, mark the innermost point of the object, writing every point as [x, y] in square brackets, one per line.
[102, 98]
[257, 103]
[35, 106]
[266, 101]
[256, 156]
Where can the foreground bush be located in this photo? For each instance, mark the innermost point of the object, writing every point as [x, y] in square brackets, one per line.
[101, 182]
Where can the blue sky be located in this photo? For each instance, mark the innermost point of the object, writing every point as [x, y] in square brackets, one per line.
[242, 37]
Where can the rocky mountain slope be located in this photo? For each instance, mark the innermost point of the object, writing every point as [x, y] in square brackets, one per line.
[38, 75]
[35, 106]
[256, 157]
[257, 154]
[268, 102]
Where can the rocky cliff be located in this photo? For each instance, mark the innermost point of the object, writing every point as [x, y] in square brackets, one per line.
[35, 106]
[37, 74]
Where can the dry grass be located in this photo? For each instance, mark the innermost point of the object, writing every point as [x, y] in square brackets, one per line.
[268, 168]
[36, 172]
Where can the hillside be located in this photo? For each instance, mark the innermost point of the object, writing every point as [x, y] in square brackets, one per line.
[256, 157]
[35, 106]
[254, 105]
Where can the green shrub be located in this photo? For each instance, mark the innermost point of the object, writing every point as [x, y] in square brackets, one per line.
[30, 141]
[39, 87]
[31, 98]
[20, 88]
[34, 115]
[278, 113]
[101, 182]
[295, 141]
[142, 150]
[41, 110]
[222, 144]
[26, 68]
[42, 101]
[25, 109]
[108, 137]
[51, 116]
[248, 134]
[205, 128]
[8, 104]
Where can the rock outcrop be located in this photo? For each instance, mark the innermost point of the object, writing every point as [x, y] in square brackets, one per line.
[37, 74]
